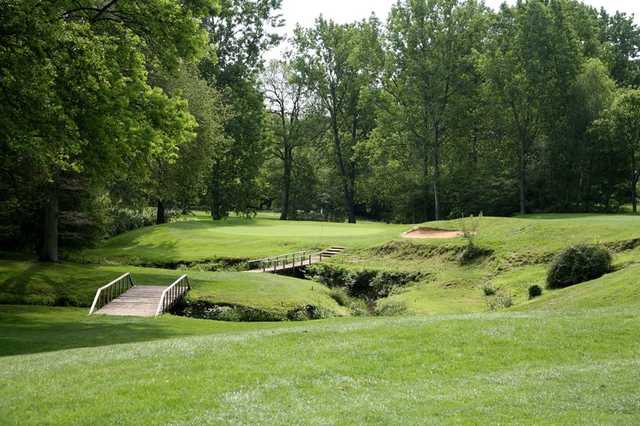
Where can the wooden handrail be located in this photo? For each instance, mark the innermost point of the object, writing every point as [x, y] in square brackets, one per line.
[271, 259]
[120, 285]
[175, 291]
[269, 263]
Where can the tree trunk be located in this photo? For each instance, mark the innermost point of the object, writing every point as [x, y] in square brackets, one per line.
[350, 203]
[634, 192]
[286, 187]
[436, 173]
[344, 174]
[49, 249]
[161, 217]
[522, 172]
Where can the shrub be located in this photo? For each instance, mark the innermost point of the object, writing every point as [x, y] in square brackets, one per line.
[331, 276]
[224, 312]
[385, 283]
[472, 252]
[489, 290]
[470, 227]
[307, 312]
[578, 264]
[391, 309]
[535, 291]
[365, 284]
[341, 297]
[500, 301]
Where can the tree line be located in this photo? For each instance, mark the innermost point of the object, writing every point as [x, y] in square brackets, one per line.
[442, 109]
[450, 108]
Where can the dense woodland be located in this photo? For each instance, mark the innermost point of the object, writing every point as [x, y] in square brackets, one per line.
[112, 109]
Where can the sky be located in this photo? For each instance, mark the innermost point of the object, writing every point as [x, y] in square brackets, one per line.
[304, 12]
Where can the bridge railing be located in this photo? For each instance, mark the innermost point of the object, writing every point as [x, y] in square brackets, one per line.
[285, 261]
[172, 294]
[114, 289]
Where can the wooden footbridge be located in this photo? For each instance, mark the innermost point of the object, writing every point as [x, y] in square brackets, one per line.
[122, 297]
[289, 262]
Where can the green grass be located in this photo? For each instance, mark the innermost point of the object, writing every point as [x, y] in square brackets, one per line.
[26, 282]
[620, 288]
[521, 249]
[533, 236]
[579, 367]
[570, 356]
[202, 239]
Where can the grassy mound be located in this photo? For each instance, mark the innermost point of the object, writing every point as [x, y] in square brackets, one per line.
[578, 368]
[202, 239]
[24, 282]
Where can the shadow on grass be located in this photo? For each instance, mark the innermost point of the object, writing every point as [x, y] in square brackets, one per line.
[32, 329]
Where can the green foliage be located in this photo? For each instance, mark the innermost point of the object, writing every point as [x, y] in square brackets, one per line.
[365, 284]
[535, 291]
[578, 264]
[489, 290]
[391, 309]
[125, 220]
[341, 64]
[340, 296]
[77, 97]
[499, 301]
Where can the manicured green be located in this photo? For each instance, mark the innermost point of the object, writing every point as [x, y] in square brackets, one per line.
[577, 367]
[26, 282]
[202, 239]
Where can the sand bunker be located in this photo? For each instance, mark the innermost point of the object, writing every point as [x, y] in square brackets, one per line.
[432, 233]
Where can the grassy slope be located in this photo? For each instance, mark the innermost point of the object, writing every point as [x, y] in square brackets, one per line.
[540, 367]
[450, 288]
[236, 238]
[519, 245]
[48, 284]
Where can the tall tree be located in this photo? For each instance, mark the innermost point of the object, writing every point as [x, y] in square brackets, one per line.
[181, 180]
[431, 43]
[623, 121]
[286, 93]
[241, 33]
[507, 83]
[78, 99]
[621, 39]
[341, 64]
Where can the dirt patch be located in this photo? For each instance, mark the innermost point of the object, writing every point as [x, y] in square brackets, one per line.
[432, 233]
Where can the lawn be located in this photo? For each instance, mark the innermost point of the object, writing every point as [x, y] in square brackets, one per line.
[521, 250]
[570, 356]
[201, 239]
[532, 237]
[572, 367]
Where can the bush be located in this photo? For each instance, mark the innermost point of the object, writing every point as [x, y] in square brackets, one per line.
[341, 297]
[578, 264]
[500, 301]
[471, 253]
[307, 312]
[535, 291]
[489, 290]
[124, 220]
[390, 309]
[330, 276]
